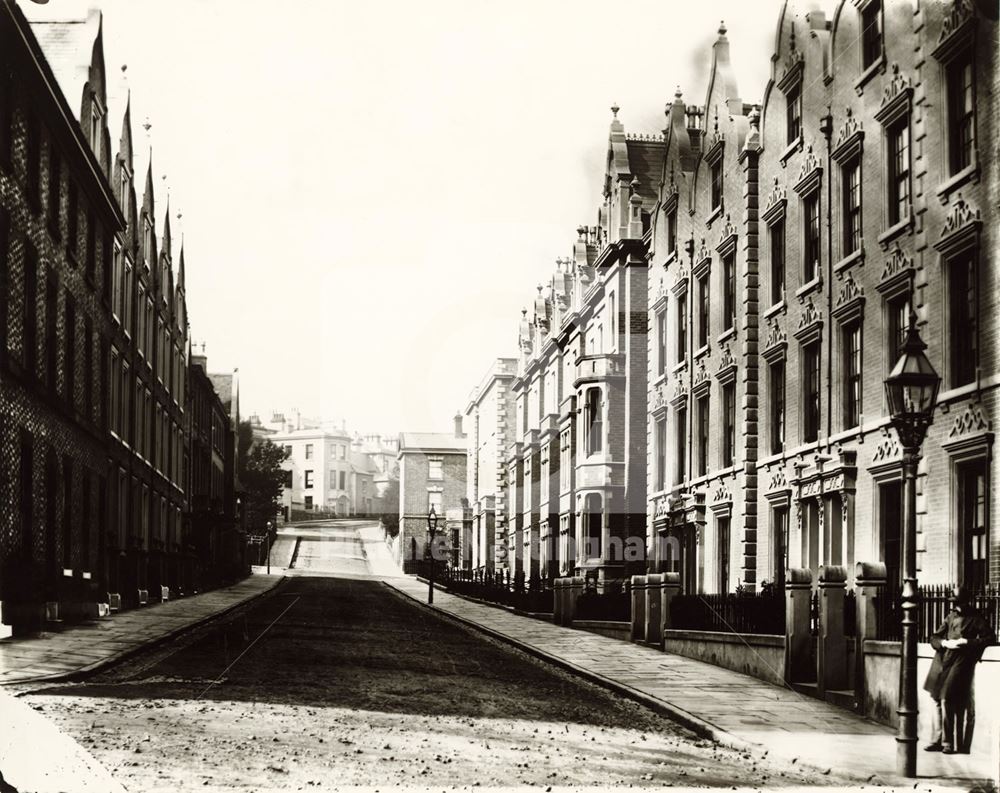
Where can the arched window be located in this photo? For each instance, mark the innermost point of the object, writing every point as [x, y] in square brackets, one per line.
[595, 421]
[593, 525]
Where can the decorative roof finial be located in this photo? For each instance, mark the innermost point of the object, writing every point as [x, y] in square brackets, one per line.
[147, 126]
[615, 109]
[722, 28]
[791, 40]
[677, 93]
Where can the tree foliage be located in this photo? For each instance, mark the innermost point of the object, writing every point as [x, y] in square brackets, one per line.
[262, 477]
[390, 504]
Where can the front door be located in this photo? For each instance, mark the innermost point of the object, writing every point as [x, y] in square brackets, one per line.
[890, 519]
[972, 523]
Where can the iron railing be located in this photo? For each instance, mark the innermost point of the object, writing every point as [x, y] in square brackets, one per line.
[534, 596]
[933, 605]
[738, 612]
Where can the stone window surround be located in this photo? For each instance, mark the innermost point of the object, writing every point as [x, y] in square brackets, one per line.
[846, 153]
[807, 188]
[956, 38]
[962, 235]
[968, 441]
[892, 112]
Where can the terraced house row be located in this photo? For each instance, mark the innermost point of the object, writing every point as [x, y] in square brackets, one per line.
[700, 387]
[96, 435]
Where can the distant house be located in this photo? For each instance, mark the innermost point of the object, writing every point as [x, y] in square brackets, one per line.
[432, 473]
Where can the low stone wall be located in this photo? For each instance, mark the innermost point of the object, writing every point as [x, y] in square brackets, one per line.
[757, 655]
[882, 692]
[613, 630]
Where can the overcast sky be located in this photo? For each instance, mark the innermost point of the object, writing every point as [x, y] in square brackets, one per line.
[371, 191]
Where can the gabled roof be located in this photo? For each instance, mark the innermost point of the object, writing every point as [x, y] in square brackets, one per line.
[68, 43]
[223, 385]
[431, 441]
[362, 464]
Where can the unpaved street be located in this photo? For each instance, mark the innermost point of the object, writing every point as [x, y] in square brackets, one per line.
[351, 685]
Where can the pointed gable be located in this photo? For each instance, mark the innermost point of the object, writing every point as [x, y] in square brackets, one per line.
[74, 49]
[180, 301]
[722, 96]
[147, 221]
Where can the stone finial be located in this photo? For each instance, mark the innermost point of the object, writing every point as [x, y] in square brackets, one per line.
[722, 28]
[614, 110]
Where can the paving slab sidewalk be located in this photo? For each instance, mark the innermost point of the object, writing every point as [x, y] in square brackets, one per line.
[88, 646]
[730, 707]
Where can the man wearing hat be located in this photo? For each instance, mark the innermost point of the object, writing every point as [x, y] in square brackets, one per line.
[959, 642]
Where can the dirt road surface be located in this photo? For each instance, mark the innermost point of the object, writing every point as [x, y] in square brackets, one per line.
[351, 685]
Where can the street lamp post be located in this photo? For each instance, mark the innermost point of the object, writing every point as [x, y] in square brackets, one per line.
[269, 547]
[911, 390]
[432, 520]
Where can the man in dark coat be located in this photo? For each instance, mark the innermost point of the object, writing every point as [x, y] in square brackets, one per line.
[959, 641]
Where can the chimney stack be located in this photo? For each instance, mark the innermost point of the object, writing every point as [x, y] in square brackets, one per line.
[458, 426]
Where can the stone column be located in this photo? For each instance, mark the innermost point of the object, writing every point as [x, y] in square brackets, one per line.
[869, 583]
[670, 586]
[831, 652]
[798, 592]
[654, 617]
[574, 588]
[638, 607]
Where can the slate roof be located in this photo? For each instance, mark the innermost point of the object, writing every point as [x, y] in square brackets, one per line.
[362, 464]
[68, 44]
[223, 385]
[645, 160]
[437, 441]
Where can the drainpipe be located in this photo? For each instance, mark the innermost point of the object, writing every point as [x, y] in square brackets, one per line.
[689, 245]
[826, 127]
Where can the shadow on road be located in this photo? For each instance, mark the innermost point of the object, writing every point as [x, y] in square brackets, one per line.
[355, 644]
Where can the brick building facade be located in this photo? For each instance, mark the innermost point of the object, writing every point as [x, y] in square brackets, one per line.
[58, 216]
[93, 342]
[432, 471]
[576, 471]
[765, 257]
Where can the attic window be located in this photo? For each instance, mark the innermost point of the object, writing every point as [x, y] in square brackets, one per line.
[147, 242]
[95, 128]
[871, 33]
[126, 182]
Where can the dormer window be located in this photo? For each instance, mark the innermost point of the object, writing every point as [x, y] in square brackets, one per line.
[147, 242]
[961, 112]
[793, 120]
[95, 128]
[871, 33]
[717, 184]
[126, 185]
